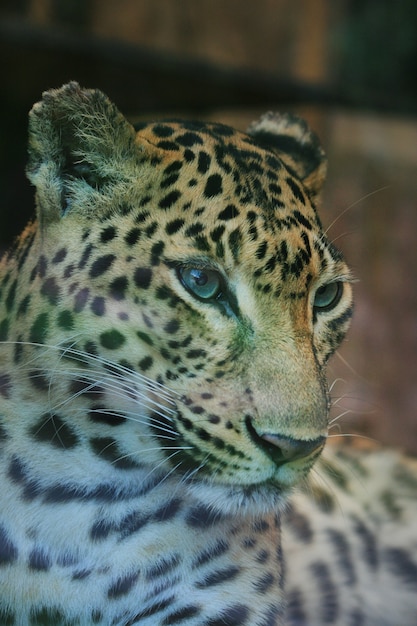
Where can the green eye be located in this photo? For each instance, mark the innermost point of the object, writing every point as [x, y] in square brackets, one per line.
[205, 284]
[328, 297]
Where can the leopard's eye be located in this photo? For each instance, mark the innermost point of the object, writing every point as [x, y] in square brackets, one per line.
[328, 296]
[205, 284]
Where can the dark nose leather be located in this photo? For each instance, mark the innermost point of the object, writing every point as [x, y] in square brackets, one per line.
[282, 449]
[285, 449]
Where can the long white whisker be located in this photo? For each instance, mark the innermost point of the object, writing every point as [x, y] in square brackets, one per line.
[345, 234]
[66, 351]
[133, 418]
[353, 436]
[161, 463]
[368, 195]
[175, 449]
[336, 419]
[336, 401]
[118, 388]
[336, 380]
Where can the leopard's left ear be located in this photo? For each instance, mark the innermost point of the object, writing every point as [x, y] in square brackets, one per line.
[296, 145]
[82, 153]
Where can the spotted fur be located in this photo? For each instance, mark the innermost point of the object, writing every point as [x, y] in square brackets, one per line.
[165, 324]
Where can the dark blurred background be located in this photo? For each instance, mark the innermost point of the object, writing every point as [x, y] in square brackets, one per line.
[348, 66]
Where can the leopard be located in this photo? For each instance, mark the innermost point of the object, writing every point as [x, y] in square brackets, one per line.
[166, 320]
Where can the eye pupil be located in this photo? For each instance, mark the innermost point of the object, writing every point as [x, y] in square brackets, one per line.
[204, 284]
[328, 296]
[200, 277]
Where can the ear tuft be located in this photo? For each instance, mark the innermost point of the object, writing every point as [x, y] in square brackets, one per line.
[77, 140]
[296, 145]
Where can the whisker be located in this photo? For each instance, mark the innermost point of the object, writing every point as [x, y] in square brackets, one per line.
[83, 356]
[345, 234]
[353, 436]
[350, 368]
[176, 450]
[338, 417]
[351, 206]
[336, 380]
[191, 473]
[143, 420]
[163, 462]
[324, 482]
[57, 429]
[117, 386]
[335, 402]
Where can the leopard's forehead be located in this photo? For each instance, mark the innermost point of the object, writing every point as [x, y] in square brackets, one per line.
[228, 199]
[231, 163]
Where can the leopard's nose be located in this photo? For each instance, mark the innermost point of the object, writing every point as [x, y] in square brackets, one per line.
[283, 449]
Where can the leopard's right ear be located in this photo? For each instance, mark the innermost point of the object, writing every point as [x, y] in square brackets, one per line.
[81, 151]
[296, 145]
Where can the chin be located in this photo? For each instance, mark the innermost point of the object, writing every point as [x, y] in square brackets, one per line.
[240, 500]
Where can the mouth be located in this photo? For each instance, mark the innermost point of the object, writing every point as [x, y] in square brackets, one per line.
[240, 472]
[235, 500]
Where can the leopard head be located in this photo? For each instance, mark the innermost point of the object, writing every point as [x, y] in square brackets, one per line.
[174, 304]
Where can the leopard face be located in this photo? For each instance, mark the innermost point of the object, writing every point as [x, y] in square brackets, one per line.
[173, 306]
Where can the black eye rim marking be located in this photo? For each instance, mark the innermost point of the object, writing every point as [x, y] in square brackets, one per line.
[328, 296]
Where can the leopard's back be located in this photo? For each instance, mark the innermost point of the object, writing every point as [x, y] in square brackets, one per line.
[350, 540]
